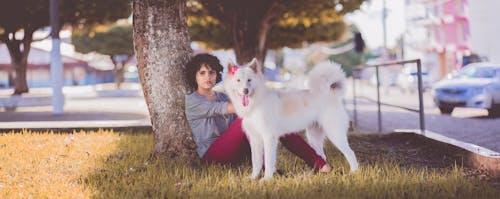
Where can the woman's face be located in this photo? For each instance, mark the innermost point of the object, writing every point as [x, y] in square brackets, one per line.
[206, 77]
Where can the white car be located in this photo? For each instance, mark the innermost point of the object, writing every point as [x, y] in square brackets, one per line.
[477, 85]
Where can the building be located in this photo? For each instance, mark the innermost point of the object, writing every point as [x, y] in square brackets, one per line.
[484, 29]
[78, 69]
[438, 33]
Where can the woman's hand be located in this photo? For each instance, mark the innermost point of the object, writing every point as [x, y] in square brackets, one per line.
[230, 108]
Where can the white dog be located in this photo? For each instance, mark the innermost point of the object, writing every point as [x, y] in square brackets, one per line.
[268, 113]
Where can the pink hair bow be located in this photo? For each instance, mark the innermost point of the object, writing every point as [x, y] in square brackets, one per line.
[233, 70]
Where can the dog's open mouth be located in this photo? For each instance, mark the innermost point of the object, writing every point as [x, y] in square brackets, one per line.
[244, 99]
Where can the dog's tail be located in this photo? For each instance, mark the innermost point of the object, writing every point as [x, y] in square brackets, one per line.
[326, 77]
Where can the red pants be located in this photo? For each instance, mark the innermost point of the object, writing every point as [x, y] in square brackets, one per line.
[232, 147]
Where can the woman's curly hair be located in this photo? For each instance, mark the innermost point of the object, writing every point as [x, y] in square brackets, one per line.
[195, 64]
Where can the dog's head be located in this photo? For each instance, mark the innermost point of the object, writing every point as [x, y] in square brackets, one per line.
[242, 81]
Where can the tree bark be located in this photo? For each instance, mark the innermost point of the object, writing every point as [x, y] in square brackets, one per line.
[20, 80]
[162, 47]
[249, 23]
[19, 59]
[249, 40]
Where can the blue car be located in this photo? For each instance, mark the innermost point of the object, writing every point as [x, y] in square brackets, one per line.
[477, 85]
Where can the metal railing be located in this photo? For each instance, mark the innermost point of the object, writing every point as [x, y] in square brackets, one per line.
[379, 113]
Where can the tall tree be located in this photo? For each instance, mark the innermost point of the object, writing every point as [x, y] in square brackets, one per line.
[114, 40]
[251, 27]
[20, 18]
[162, 47]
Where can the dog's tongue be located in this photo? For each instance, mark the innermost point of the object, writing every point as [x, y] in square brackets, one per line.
[245, 100]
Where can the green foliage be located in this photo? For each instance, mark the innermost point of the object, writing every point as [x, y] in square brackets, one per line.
[351, 58]
[107, 40]
[295, 22]
[33, 14]
[294, 37]
[348, 60]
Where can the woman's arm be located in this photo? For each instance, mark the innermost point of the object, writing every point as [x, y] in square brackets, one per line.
[230, 108]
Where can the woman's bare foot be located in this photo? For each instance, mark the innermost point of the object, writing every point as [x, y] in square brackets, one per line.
[325, 169]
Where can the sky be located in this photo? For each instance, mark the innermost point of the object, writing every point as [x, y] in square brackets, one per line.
[369, 20]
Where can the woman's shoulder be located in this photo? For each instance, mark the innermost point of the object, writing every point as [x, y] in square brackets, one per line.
[190, 95]
[193, 97]
[223, 96]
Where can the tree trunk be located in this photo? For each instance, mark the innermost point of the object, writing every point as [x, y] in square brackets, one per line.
[246, 40]
[118, 71]
[21, 82]
[162, 45]
[250, 23]
[250, 34]
[11, 77]
[19, 60]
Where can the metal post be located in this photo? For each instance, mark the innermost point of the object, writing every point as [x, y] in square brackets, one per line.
[384, 25]
[378, 100]
[56, 69]
[354, 100]
[420, 97]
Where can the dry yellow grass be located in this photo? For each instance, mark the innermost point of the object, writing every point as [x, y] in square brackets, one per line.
[51, 165]
[112, 165]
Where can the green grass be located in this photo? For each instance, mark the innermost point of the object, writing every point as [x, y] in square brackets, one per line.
[112, 165]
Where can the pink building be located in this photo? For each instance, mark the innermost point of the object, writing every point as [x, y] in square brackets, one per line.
[444, 31]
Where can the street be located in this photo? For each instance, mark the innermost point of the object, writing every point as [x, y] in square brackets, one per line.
[464, 124]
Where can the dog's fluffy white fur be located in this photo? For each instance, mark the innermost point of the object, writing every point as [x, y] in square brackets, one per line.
[268, 113]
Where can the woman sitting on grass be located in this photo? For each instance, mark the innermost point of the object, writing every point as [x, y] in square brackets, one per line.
[216, 130]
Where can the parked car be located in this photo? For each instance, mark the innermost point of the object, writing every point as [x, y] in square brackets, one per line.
[408, 79]
[477, 85]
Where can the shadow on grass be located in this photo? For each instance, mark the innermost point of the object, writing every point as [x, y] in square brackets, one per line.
[392, 166]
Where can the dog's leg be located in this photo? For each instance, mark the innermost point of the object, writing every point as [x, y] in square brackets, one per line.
[270, 153]
[316, 138]
[338, 136]
[257, 149]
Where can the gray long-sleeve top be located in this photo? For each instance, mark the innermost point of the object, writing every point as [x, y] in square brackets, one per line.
[208, 119]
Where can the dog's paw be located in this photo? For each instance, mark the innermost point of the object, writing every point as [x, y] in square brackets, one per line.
[253, 177]
[354, 169]
[266, 179]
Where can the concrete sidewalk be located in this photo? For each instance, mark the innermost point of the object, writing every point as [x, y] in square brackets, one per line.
[85, 107]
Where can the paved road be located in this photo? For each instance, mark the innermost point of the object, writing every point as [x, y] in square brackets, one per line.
[464, 124]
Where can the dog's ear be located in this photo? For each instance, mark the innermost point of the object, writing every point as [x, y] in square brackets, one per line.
[254, 65]
[231, 67]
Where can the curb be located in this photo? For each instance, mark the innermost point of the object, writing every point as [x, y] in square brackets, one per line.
[476, 156]
[119, 129]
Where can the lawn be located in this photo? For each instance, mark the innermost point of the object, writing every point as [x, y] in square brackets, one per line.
[107, 164]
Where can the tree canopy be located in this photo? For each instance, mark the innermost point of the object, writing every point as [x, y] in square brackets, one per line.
[291, 23]
[104, 39]
[113, 40]
[20, 18]
[20, 15]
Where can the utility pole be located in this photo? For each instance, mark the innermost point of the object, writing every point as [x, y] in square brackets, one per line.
[384, 25]
[56, 69]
